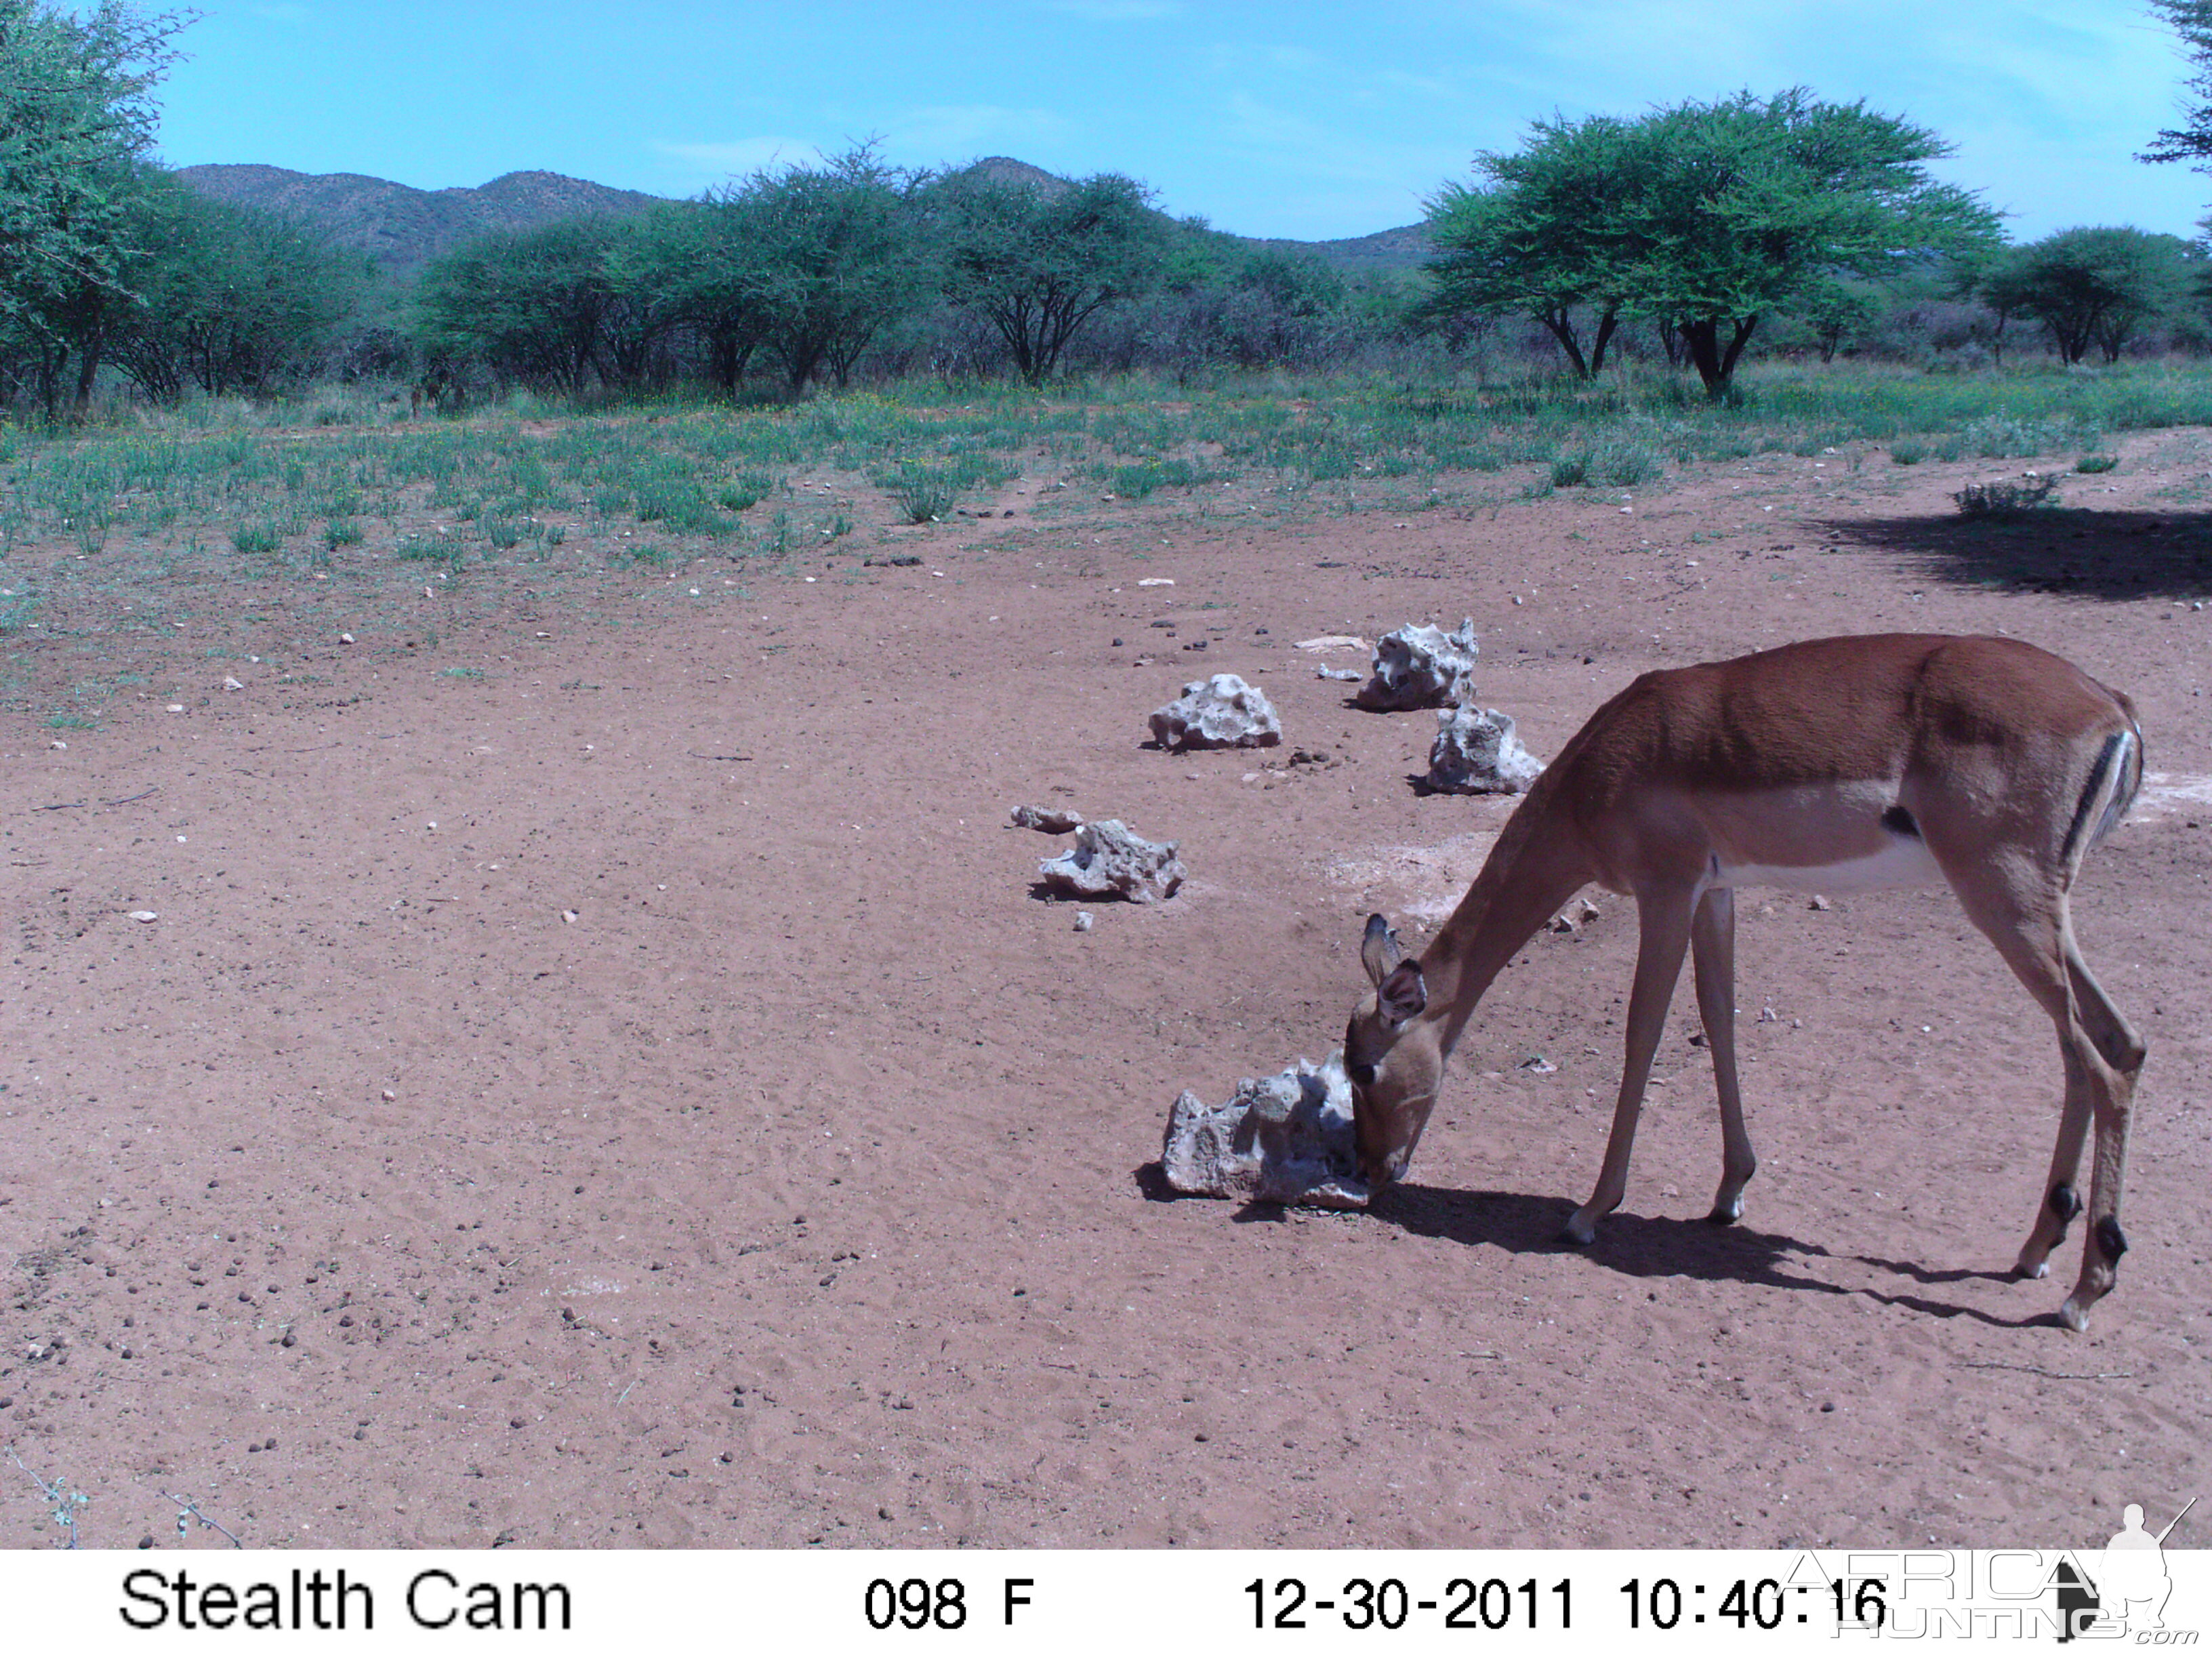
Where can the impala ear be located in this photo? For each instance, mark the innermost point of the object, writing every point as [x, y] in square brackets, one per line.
[1402, 993]
[1379, 950]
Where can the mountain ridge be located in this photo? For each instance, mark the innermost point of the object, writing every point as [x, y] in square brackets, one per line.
[404, 227]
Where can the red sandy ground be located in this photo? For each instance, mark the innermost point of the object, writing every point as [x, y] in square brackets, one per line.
[797, 1189]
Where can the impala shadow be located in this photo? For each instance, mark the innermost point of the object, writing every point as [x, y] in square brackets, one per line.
[1664, 1247]
[2109, 554]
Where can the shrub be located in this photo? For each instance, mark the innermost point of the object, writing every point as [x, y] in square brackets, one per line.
[2003, 437]
[255, 539]
[1569, 471]
[341, 532]
[743, 492]
[2008, 498]
[923, 494]
[1623, 461]
[2096, 463]
[1137, 482]
[1908, 453]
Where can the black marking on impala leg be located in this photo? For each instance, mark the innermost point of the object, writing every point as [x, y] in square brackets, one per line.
[2065, 1203]
[1899, 821]
[2110, 1239]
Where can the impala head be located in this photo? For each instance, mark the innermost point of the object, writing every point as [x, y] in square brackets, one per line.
[1394, 1058]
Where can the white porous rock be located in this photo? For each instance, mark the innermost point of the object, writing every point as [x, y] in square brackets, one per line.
[1284, 1140]
[1219, 713]
[1108, 860]
[1421, 668]
[1052, 820]
[1476, 753]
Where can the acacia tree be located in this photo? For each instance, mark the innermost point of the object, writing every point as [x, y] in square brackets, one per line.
[1738, 208]
[2190, 142]
[227, 298]
[532, 305]
[1041, 262]
[691, 260]
[1537, 239]
[76, 116]
[1709, 217]
[813, 261]
[2095, 285]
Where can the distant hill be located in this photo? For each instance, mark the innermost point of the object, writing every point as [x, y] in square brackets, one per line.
[1407, 247]
[404, 228]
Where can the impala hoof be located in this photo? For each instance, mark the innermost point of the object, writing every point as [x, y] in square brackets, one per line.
[1579, 1232]
[2027, 1267]
[1725, 1215]
[2073, 1316]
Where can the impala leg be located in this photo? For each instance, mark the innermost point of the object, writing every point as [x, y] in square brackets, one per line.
[2102, 1055]
[1712, 941]
[2118, 1062]
[2061, 1200]
[1663, 934]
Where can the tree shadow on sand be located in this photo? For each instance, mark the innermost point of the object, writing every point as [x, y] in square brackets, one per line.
[2091, 554]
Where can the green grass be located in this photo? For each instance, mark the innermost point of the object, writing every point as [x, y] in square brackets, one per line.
[138, 525]
[222, 470]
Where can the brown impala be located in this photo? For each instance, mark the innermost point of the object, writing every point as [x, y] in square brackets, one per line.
[1890, 760]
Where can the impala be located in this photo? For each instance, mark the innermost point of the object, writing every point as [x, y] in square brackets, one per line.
[1884, 761]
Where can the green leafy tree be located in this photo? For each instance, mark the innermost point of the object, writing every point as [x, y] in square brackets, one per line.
[1041, 262]
[533, 306]
[2095, 285]
[2190, 142]
[227, 298]
[76, 116]
[812, 262]
[1538, 237]
[1837, 309]
[1706, 217]
[694, 261]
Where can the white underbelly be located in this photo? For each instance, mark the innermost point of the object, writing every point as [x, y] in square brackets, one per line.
[1903, 863]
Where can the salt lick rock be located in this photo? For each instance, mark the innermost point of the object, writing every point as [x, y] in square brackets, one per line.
[1052, 820]
[1421, 668]
[1284, 1139]
[1476, 753]
[1108, 860]
[1220, 713]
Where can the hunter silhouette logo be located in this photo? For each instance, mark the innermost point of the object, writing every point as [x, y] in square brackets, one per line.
[2127, 1594]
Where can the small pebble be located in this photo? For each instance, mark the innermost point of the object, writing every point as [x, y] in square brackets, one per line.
[345, 639]
[145, 915]
[1083, 921]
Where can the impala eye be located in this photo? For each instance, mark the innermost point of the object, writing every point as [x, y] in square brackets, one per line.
[1359, 1072]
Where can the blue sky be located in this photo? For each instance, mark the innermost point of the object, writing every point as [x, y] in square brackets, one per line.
[1282, 120]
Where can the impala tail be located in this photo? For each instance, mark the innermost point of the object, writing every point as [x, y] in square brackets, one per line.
[2108, 794]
